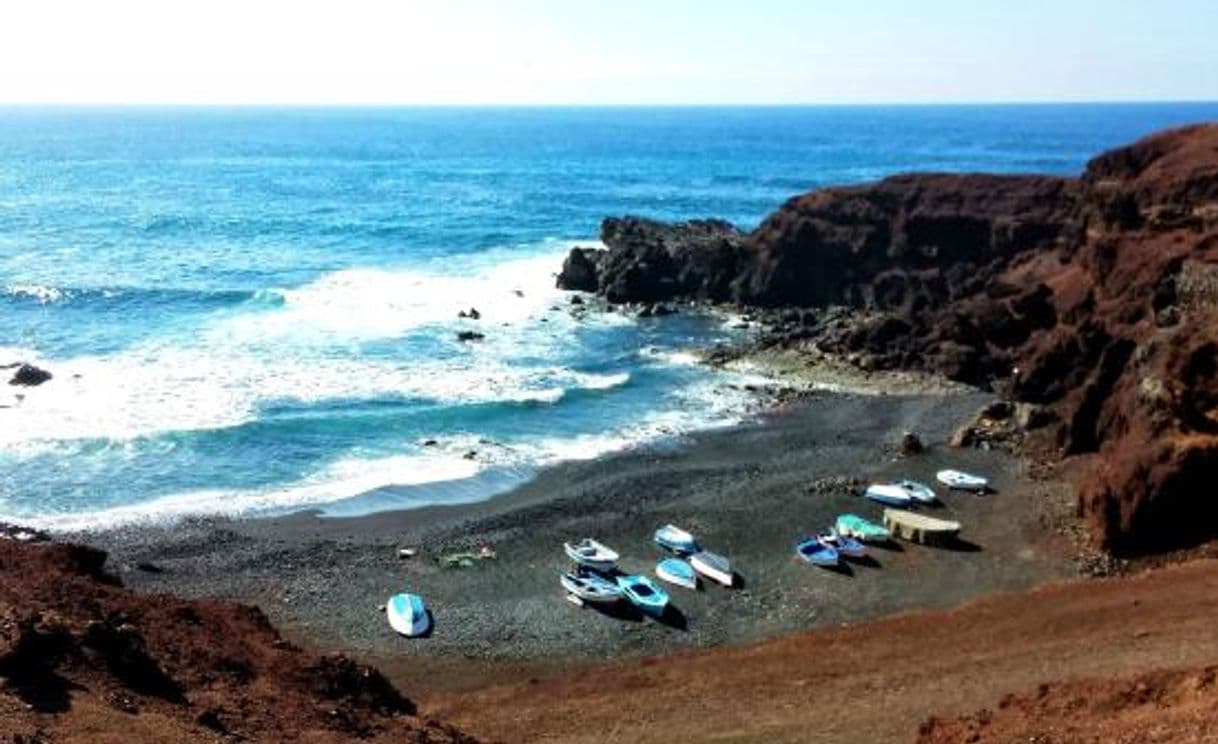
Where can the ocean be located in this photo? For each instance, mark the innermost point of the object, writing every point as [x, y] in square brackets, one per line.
[253, 311]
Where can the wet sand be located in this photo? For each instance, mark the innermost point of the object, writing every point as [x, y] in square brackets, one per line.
[748, 492]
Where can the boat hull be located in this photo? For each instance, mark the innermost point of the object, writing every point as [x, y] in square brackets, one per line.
[888, 495]
[677, 572]
[714, 567]
[408, 615]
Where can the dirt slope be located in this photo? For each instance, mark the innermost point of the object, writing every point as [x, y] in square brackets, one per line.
[875, 681]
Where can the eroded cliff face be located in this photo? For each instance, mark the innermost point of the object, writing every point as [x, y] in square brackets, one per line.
[82, 657]
[1094, 298]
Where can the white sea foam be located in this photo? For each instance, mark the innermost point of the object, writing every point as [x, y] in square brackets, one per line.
[300, 352]
[342, 480]
[42, 293]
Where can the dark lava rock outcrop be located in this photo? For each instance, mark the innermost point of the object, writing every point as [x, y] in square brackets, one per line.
[83, 657]
[1093, 299]
[28, 375]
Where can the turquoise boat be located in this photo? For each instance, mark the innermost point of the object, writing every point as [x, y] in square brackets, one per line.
[861, 529]
[644, 594]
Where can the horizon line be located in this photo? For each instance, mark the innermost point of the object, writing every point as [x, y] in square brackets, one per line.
[602, 105]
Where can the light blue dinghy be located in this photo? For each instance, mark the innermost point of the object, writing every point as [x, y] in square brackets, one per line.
[919, 491]
[962, 481]
[408, 615]
[843, 544]
[672, 537]
[644, 594]
[816, 553]
[677, 571]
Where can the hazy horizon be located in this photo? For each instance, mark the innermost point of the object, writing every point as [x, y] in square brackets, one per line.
[549, 53]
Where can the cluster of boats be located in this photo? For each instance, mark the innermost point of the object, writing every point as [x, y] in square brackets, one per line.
[850, 533]
[595, 578]
[907, 493]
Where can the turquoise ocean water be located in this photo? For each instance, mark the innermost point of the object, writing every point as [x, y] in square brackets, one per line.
[254, 310]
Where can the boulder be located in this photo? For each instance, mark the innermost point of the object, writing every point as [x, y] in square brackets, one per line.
[29, 376]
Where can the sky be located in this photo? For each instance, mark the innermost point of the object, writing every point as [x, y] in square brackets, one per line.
[583, 52]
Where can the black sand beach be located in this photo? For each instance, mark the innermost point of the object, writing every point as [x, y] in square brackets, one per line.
[748, 492]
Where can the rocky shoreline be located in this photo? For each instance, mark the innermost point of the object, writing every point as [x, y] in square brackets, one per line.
[1093, 299]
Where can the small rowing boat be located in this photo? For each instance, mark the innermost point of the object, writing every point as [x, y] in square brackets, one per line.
[713, 566]
[962, 481]
[677, 571]
[591, 554]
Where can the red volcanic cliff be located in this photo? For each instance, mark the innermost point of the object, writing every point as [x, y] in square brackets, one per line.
[81, 658]
[1092, 297]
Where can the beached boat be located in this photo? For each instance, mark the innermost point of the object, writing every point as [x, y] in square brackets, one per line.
[677, 571]
[861, 529]
[817, 553]
[843, 544]
[920, 528]
[919, 491]
[590, 587]
[890, 495]
[408, 614]
[962, 481]
[672, 537]
[592, 554]
[713, 566]
[644, 593]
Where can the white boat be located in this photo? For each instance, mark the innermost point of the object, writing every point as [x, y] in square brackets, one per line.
[592, 554]
[590, 588]
[713, 566]
[408, 614]
[962, 481]
[919, 491]
[677, 571]
[891, 495]
[672, 537]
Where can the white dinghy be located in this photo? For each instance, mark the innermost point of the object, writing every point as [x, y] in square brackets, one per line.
[962, 481]
[591, 554]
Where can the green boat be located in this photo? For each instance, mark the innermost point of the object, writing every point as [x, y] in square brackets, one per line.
[852, 525]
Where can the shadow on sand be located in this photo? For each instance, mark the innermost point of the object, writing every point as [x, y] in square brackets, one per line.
[841, 567]
[864, 560]
[960, 545]
[673, 618]
[622, 610]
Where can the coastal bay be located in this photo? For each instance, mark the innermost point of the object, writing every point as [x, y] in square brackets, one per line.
[749, 492]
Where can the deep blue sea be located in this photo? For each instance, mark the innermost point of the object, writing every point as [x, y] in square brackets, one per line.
[254, 310]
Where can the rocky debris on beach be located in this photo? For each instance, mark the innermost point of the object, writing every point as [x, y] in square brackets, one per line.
[910, 445]
[1094, 299]
[27, 375]
[79, 654]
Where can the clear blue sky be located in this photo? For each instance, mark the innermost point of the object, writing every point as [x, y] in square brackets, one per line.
[618, 51]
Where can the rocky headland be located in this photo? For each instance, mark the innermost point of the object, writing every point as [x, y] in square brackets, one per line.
[1089, 303]
[81, 657]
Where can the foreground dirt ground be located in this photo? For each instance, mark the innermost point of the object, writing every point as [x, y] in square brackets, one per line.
[886, 680]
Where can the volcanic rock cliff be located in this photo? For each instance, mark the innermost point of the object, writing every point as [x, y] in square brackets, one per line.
[83, 659]
[1095, 299]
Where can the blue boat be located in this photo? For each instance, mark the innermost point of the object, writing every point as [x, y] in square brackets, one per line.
[644, 594]
[677, 571]
[817, 553]
[672, 537]
[843, 544]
